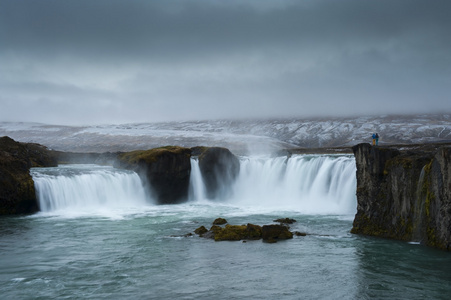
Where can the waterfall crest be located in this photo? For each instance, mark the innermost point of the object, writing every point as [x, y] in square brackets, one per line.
[86, 186]
[313, 184]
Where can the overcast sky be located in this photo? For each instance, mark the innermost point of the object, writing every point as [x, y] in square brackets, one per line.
[111, 61]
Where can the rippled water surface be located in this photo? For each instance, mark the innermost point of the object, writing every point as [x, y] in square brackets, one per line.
[144, 254]
[100, 237]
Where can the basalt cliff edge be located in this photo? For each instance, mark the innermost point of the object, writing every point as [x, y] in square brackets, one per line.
[404, 193]
[166, 169]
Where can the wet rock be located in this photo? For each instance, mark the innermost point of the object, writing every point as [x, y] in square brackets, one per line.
[285, 221]
[404, 193]
[231, 233]
[297, 233]
[271, 233]
[166, 169]
[253, 232]
[238, 232]
[17, 193]
[201, 230]
[219, 221]
[219, 169]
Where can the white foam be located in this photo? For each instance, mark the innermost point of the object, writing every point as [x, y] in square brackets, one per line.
[311, 184]
[88, 190]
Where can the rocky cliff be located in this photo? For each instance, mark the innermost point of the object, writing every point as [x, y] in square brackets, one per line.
[166, 169]
[404, 193]
[17, 194]
[219, 169]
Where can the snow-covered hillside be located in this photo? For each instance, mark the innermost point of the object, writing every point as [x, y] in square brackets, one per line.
[239, 136]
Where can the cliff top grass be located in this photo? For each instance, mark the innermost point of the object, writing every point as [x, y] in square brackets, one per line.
[152, 155]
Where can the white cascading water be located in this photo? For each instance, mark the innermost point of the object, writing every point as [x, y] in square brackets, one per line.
[84, 187]
[196, 186]
[311, 184]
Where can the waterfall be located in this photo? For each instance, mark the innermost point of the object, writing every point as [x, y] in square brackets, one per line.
[313, 184]
[84, 187]
[417, 220]
[197, 188]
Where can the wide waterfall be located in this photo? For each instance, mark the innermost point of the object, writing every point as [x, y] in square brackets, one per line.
[83, 187]
[312, 184]
[309, 184]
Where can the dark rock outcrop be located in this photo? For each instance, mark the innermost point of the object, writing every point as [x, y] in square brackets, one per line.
[219, 169]
[235, 232]
[285, 221]
[298, 233]
[219, 221]
[201, 230]
[273, 233]
[166, 170]
[269, 233]
[404, 193]
[17, 193]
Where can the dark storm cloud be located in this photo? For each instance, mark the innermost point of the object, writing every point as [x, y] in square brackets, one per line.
[162, 60]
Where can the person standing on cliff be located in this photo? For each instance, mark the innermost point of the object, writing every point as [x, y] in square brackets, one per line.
[374, 139]
[377, 139]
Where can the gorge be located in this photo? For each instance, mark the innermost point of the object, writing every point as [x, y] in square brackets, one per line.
[103, 232]
[403, 192]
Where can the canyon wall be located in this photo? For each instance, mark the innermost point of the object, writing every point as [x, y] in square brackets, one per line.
[403, 192]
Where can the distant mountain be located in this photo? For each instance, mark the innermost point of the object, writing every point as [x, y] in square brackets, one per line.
[238, 135]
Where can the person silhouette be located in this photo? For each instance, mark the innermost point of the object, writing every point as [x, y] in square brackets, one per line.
[374, 139]
[377, 139]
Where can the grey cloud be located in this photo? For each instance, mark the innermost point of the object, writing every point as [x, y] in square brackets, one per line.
[157, 60]
[147, 28]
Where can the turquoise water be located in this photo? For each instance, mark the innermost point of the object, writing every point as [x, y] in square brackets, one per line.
[143, 255]
[99, 236]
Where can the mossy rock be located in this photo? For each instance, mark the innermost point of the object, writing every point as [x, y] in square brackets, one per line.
[220, 221]
[201, 230]
[254, 232]
[17, 193]
[215, 229]
[237, 232]
[276, 232]
[231, 233]
[285, 221]
[151, 156]
[269, 233]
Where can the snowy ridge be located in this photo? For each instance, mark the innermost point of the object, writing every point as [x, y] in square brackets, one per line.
[238, 135]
